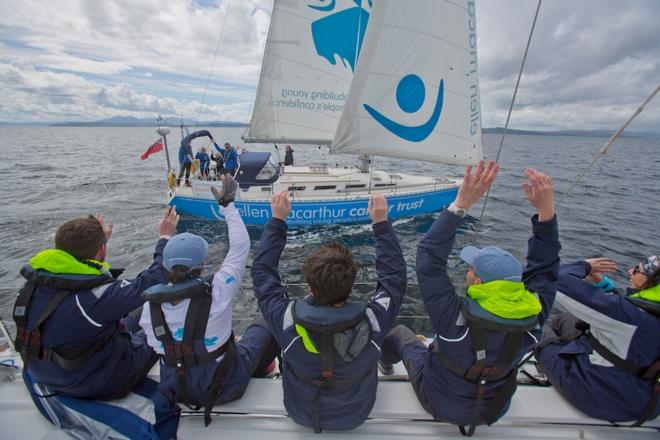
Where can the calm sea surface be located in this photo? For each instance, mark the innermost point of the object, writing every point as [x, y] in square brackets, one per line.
[53, 174]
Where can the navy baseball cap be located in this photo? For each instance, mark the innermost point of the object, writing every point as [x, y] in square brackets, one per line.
[185, 249]
[492, 263]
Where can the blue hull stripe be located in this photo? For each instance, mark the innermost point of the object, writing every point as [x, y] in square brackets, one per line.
[321, 212]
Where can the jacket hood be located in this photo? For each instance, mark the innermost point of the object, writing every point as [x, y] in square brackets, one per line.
[506, 299]
[652, 294]
[57, 261]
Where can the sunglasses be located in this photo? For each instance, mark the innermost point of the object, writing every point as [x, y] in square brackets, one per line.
[638, 270]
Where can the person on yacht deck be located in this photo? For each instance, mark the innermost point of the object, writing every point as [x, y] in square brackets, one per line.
[331, 343]
[230, 157]
[603, 353]
[86, 346]
[288, 156]
[185, 162]
[467, 376]
[204, 161]
[221, 368]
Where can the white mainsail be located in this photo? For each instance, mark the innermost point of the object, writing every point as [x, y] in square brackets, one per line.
[308, 64]
[415, 94]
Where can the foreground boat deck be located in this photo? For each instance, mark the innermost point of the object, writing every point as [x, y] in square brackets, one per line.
[536, 412]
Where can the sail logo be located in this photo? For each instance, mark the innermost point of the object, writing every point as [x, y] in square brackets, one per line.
[339, 34]
[410, 96]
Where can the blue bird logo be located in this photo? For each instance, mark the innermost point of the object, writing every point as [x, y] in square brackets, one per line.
[410, 96]
[340, 34]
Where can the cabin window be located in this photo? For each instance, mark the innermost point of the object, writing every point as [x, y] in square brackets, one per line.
[361, 185]
[265, 188]
[296, 188]
[267, 172]
[322, 187]
[380, 185]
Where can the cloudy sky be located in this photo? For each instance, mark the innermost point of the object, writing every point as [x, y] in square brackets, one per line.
[591, 63]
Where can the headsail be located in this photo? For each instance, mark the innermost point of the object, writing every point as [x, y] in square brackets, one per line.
[415, 94]
[308, 64]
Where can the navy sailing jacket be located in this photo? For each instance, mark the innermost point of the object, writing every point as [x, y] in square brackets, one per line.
[452, 398]
[586, 379]
[82, 318]
[340, 409]
[185, 154]
[231, 159]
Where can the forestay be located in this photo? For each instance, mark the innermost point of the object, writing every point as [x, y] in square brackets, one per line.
[308, 64]
[415, 94]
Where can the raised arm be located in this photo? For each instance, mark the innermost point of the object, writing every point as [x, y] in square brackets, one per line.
[271, 295]
[437, 290]
[117, 299]
[541, 273]
[390, 266]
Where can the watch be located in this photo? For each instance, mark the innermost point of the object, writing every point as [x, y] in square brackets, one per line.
[456, 210]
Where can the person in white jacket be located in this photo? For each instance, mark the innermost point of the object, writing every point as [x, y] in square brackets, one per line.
[201, 365]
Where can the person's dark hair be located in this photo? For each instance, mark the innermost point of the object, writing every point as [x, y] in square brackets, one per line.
[652, 279]
[181, 273]
[330, 273]
[80, 237]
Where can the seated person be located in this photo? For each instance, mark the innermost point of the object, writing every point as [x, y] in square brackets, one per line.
[331, 343]
[603, 355]
[201, 365]
[204, 161]
[468, 375]
[219, 163]
[69, 315]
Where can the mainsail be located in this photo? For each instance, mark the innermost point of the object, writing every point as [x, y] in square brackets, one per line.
[308, 64]
[415, 94]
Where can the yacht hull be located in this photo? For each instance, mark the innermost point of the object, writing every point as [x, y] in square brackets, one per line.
[321, 212]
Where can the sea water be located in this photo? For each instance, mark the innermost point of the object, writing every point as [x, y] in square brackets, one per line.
[53, 174]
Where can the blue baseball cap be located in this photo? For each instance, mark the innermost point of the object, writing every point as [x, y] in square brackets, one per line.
[492, 263]
[185, 249]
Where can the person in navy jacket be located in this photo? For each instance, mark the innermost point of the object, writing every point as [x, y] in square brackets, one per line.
[230, 158]
[443, 393]
[87, 347]
[185, 162]
[204, 161]
[603, 354]
[351, 380]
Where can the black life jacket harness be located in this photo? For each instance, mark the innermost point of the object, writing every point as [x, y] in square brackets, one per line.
[481, 373]
[182, 354]
[651, 372]
[330, 323]
[29, 341]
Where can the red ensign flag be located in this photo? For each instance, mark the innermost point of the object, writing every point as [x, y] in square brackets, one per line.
[155, 148]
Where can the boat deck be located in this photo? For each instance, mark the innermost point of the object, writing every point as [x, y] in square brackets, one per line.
[536, 412]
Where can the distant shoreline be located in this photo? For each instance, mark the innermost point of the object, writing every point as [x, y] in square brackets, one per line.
[122, 122]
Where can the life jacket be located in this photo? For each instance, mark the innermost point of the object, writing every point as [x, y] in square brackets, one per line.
[28, 341]
[328, 325]
[479, 320]
[182, 354]
[649, 372]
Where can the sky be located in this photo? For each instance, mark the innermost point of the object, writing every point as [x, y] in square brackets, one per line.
[591, 62]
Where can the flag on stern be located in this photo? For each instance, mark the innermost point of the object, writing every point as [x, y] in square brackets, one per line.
[155, 148]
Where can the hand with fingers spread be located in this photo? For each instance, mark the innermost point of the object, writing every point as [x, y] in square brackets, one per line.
[167, 225]
[107, 229]
[599, 267]
[227, 193]
[539, 191]
[280, 206]
[475, 185]
[377, 208]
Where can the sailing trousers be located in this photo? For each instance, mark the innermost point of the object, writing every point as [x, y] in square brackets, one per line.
[185, 167]
[401, 344]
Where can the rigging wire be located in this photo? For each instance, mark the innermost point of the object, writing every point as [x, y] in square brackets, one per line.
[513, 100]
[607, 145]
[215, 54]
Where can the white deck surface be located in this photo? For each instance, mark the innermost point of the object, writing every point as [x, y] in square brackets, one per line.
[536, 412]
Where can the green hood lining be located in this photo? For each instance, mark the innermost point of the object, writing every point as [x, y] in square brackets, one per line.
[61, 262]
[652, 294]
[506, 299]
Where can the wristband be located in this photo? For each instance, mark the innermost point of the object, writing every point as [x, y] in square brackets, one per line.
[606, 284]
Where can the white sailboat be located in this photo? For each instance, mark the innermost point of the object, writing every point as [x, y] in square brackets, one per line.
[415, 95]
